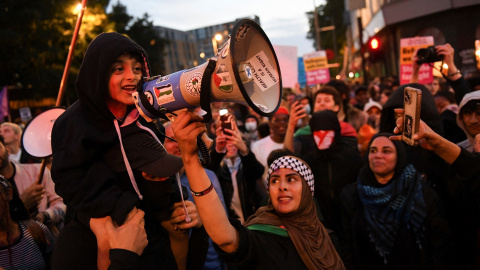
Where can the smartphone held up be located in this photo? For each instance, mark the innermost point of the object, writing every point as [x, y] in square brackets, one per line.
[225, 120]
[412, 99]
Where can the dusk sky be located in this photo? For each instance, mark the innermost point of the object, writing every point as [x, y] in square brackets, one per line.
[284, 21]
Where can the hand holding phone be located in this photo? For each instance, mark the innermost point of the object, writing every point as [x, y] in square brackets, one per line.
[412, 100]
[226, 121]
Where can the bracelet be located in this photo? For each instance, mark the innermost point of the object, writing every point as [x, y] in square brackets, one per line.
[201, 193]
[455, 73]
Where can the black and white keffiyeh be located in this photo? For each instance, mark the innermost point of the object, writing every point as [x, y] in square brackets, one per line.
[296, 164]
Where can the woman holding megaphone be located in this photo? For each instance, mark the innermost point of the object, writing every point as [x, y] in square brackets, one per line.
[287, 225]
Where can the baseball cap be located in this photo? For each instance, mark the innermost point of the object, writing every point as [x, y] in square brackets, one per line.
[371, 104]
[282, 110]
[144, 153]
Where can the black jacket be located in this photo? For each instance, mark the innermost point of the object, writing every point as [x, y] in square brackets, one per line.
[250, 170]
[358, 252]
[84, 177]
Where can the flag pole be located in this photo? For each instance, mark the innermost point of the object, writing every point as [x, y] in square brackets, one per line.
[65, 75]
[70, 54]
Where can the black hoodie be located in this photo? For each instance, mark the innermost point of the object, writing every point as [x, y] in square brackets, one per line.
[85, 131]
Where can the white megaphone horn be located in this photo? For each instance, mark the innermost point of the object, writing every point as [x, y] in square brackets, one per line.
[245, 70]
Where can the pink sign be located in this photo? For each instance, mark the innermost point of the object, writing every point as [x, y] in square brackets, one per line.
[318, 76]
[425, 74]
[408, 47]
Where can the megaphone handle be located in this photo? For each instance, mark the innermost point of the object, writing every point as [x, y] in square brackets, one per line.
[204, 150]
[205, 89]
[42, 170]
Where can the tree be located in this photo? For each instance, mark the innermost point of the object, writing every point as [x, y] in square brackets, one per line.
[331, 12]
[142, 31]
[36, 37]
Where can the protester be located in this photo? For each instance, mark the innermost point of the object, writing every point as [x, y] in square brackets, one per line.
[347, 112]
[106, 163]
[392, 217]
[303, 243]
[211, 259]
[334, 165]
[39, 199]
[326, 98]
[424, 161]
[25, 243]
[251, 124]
[12, 134]
[448, 110]
[361, 97]
[468, 119]
[239, 173]
[464, 186]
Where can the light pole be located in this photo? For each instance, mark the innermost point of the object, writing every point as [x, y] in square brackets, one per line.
[218, 37]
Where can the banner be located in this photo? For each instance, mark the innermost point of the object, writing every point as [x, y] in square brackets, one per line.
[316, 67]
[287, 59]
[408, 47]
[4, 103]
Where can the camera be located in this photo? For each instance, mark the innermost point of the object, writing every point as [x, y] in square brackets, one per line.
[428, 55]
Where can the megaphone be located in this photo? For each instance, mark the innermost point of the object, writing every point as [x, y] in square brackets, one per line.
[245, 70]
[37, 136]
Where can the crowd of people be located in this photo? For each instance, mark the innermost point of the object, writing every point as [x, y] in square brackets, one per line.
[324, 183]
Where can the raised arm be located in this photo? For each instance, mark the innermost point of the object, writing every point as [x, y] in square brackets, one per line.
[297, 112]
[430, 140]
[187, 127]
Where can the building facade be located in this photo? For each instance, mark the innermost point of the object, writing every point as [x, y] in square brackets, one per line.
[186, 49]
[449, 21]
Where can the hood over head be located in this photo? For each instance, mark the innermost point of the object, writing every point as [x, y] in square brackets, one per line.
[93, 77]
[466, 99]
[429, 112]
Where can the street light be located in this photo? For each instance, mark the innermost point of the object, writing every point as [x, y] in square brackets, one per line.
[218, 37]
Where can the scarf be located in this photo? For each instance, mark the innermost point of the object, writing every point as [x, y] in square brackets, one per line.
[310, 238]
[387, 207]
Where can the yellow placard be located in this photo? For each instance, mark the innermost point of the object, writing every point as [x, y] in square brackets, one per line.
[315, 63]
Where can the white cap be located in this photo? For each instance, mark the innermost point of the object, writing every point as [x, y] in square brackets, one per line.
[371, 104]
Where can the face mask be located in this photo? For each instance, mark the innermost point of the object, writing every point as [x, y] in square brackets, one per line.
[323, 138]
[307, 109]
[251, 126]
[299, 123]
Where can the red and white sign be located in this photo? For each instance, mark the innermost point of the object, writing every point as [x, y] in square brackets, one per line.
[408, 46]
[316, 67]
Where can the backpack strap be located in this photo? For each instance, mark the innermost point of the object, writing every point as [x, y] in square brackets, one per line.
[269, 228]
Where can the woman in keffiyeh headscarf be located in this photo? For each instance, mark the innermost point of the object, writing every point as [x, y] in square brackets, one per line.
[285, 234]
[392, 218]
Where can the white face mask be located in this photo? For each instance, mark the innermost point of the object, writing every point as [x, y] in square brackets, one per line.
[251, 126]
[323, 138]
[307, 109]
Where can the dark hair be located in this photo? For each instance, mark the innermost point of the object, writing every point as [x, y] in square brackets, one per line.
[360, 88]
[446, 94]
[263, 129]
[337, 98]
[342, 88]
[401, 152]
[2, 140]
[472, 106]
[250, 116]
[278, 153]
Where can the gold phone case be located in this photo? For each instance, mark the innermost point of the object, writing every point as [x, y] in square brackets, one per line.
[412, 100]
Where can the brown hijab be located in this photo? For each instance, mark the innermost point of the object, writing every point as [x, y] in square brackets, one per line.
[307, 233]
